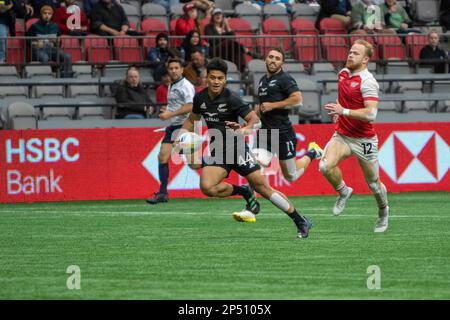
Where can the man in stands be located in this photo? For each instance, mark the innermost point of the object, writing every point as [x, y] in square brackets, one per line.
[194, 69]
[131, 90]
[62, 15]
[109, 19]
[45, 49]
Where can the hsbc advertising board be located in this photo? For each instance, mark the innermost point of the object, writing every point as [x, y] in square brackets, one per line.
[102, 164]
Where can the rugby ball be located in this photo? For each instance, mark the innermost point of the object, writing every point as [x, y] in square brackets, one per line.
[190, 142]
[263, 156]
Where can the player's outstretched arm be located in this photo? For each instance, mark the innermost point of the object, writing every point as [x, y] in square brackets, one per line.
[368, 113]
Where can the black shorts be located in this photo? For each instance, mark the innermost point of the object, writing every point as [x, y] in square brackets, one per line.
[169, 131]
[242, 165]
[287, 144]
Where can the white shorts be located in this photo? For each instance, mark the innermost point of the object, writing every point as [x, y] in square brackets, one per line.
[364, 148]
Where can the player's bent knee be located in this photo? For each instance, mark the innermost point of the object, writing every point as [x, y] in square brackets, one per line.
[323, 167]
[374, 187]
[207, 189]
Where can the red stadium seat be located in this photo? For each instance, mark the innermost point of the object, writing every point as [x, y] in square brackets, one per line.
[332, 26]
[415, 43]
[127, 49]
[72, 45]
[306, 48]
[275, 27]
[334, 49]
[391, 47]
[19, 29]
[29, 22]
[151, 27]
[242, 29]
[97, 49]
[15, 52]
[303, 26]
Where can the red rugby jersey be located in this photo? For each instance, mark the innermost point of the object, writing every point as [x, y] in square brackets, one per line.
[353, 90]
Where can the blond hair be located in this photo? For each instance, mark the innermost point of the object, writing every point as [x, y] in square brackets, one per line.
[367, 45]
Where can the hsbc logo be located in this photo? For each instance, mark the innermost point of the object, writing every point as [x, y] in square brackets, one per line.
[415, 157]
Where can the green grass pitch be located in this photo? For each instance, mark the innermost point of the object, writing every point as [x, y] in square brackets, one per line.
[192, 249]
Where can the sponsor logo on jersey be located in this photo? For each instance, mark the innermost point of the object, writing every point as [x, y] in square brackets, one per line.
[354, 84]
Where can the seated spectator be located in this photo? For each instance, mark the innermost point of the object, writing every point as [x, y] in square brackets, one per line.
[192, 40]
[62, 15]
[444, 14]
[194, 69]
[367, 19]
[46, 49]
[159, 55]
[163, 88]
[336, 9]
[433, 52]
[9, 10]
[131, 90]
[203, 81]
[396, 18]
[38, 4]
[204, 7]
[109, 19]
[187, 22]
[226, 48]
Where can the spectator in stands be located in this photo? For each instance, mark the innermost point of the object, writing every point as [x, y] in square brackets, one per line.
[286, 3]
[109, 19]
[192, 40]
[444, 14]
[131, 90]
[159, 55]
[163, 88]
[187, 22]
[62, 15]
[46, 49]
[203, 81]
[336, 9]
[226, 48]
[38, 4]
[367, 19]
[9, 10]
[433, 52]
[194, 69]
[396, 18]
[204, 7]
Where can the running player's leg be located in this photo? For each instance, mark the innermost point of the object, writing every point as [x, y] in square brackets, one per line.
[163, 170]
[260, 184]
[370, 170]
[293, 169]
[211, 182]
[336, 151]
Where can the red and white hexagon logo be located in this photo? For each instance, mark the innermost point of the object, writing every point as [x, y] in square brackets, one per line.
[415, 157]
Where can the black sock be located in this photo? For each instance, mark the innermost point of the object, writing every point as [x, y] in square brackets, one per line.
[298, 219]
[163, 170]
[311, 154]
[238, 190]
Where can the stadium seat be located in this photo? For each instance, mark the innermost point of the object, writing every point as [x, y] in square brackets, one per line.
[232, 75]
[21, 115]
[277, 11]
[46, 91]
[311, 100]
[90, 113]
[243, 31]
[303, 26]
[415, 43]
[38, 71]
[306, 48]
[332, 26]
[154, 11]
[226, 6]
[8, 71]
[427, 10]
[293, 67]
[30, 22]
[57, 113]
[82, 71]
[76, 91]
[20, 28]
[132, 12]
[334, 48]
[232, 67]
[97, 49]
[251, 13]
[274, 34]
[391, 47]
[12, 91]
[305, 11]
[176, 10]
[72, 46]
[151, 27]
[15, 52]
